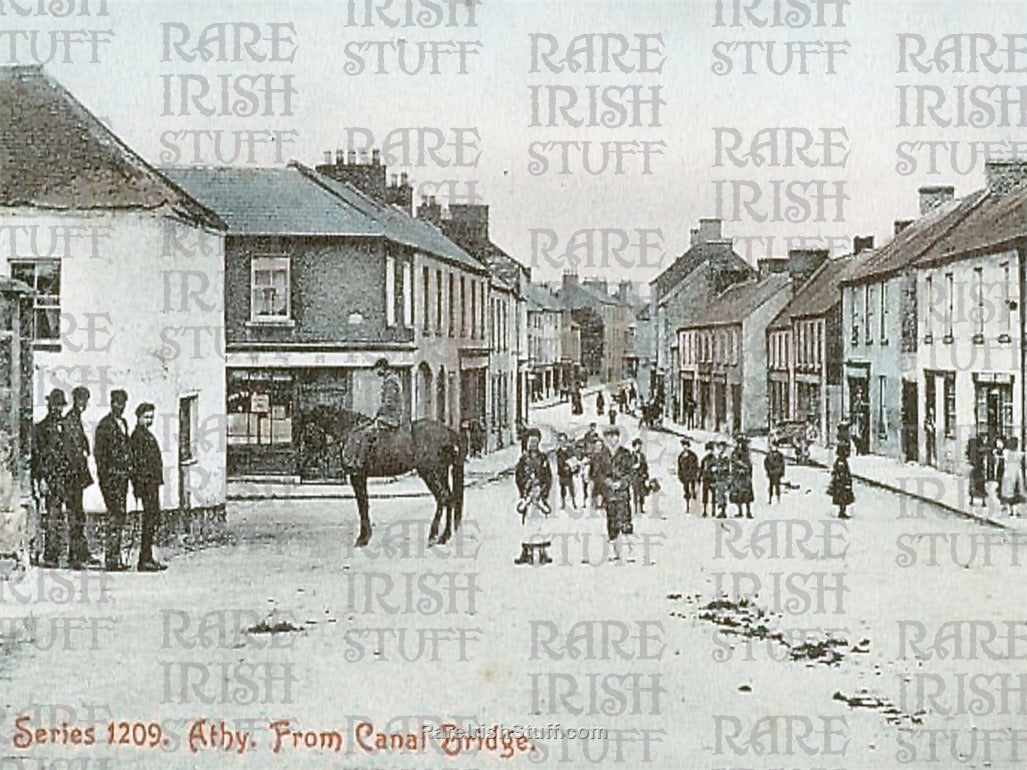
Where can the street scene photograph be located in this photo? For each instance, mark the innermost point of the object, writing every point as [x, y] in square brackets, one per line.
[425, 384]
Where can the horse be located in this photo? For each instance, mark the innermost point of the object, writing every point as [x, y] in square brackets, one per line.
[651, 414]
[435, 451]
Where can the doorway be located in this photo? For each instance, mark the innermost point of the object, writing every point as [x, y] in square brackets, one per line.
[910, 422]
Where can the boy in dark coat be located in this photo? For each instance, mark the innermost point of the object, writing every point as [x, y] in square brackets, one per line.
[534, 479]
[708, 477]
[774, 465]
[640, 479]
[741, 478]
[688, 472]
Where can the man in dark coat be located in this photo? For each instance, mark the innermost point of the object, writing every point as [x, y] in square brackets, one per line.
[688, 471]
[388, 418]
[616, 471]
[114, 467]
[49, 472]
[566, 465]
[721, 467]
[147, 478]
[534, 479]
[76, 453]
[640, 478]
[706, 473]
[774, 465]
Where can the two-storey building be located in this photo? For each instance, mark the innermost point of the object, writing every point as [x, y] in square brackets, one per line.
[126, 268]
[970, 364]
[544, 318]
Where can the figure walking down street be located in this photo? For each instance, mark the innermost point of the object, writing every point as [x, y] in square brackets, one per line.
[774, 465]
[113, 467]
[741, 478]
[49, 471]
[721, 479]
[976, 455]
[389, 416]
[534, 479]
[615, 474]
[147, 478]
[600, 403]
[688, 472]
[640, 478]
[76, 451]
[1011, 476]
[566, 466]
[840, 486]
[709, 478]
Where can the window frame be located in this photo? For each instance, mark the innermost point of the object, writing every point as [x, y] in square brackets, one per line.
[283, 259]
[390, 290]
[55, 303]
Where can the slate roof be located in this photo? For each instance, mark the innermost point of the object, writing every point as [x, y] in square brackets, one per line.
[717, 251]
[578, 295]
[55, 154]
[822, 291]
[740, 300]
[916, 239]
[539, 298]
[297, 201]
[996, 223]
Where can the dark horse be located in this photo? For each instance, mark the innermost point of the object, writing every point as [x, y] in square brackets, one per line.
[429, 447]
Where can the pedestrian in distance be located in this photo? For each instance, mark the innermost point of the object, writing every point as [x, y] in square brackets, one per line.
[708, 477]
[76, 451]
[688, 472]
[840, 486]
[721, 479]
[640, 478]
[49, 472]
[741, 478]
[976, 454]
[1011, 476]
[600, 403]
[774, 465]
[147, 479]
[113, 468]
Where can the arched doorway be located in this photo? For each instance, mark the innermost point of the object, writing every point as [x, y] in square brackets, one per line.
[423, 393]
[440, 395]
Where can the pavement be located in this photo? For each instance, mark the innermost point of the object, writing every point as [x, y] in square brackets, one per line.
[919, 482]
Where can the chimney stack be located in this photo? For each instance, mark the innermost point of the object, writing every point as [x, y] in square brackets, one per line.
[570, 278]
[862, 243]
[935, 195]
[1004, 176]
[693, 236]
[902, 224]
[802, 263]
[770, 265]
[328, 157]
[709, 230]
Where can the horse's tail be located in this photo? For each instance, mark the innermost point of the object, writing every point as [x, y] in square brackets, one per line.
[460, 456]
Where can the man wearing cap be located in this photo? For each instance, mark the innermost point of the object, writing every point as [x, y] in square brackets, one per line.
[534, 479]
[566, 466]
[706, 466]
[388, 417]
[49, 471]
[615, 474]
[113, 467]
[76, 450]
[688, 471]
[721, 479]
[640, 477]
[147, 478]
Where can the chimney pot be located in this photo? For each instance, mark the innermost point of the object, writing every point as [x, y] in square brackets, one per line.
[935, 195]
[403, 178]
[862, 243]
[351, 157]
[328, 157]
[394, 179]
[376, 156]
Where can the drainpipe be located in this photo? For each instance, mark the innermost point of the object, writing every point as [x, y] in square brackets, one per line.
[1021, 254]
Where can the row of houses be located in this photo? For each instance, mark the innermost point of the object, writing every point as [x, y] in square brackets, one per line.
[250, 304]
[917, 344]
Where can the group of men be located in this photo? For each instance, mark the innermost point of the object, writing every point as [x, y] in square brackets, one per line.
[602, 469]
[60, 476]
[723, 477]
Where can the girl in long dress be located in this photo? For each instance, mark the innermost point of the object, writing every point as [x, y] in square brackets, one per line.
[840, 487]
[1011, 476]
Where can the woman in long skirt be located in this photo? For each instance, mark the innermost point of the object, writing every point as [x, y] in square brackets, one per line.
[978, 475]
[840, 487]
[1011, 475]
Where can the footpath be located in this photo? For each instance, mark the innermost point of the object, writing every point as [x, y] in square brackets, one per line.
[920, 482]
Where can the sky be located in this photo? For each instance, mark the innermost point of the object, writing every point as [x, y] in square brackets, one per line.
[481, 90]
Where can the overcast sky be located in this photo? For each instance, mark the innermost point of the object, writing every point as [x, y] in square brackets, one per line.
[128, 86]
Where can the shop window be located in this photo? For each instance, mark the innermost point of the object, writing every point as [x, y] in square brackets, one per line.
[259, 406]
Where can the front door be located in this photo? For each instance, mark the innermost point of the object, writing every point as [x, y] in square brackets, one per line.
[188, 417]
[736, 407]
[910, 422]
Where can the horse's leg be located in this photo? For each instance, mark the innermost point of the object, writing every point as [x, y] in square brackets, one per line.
[430, 481]
[447, 496]
[359, 484]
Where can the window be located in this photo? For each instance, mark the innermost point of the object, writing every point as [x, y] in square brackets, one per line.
[44, 276]
[260, 407]
[390, 291]
[979, 310]
[951, 296]
[482, 293]
[188, 427]
[928, 308]
[884, 314]
[950, 404]
[855, 316]
[474, 309]
[438, 302]
[452, 328]
[270, 282]
[425, 294]
[868, 312]
[408, 294]
[1007, 301]
[882, 415]
[463, 307]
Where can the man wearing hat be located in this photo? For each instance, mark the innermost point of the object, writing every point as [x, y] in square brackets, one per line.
[388, 417]
[147, 479]
[688, 471]
[76, 450]
[615, 473]
[113, 467]
[49, 471]
[640, 478]
[721, 479]
[534, 479]
[566, 466]
[706, 466]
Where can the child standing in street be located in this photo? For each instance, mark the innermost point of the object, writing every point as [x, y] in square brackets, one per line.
[840, 487]
[774, 465]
